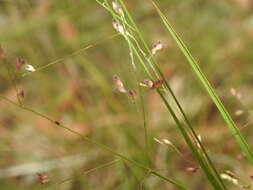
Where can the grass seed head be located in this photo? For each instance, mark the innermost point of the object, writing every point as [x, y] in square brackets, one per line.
[42, 178]
[21, 94]
[118, 27]
[148, 83]
[117, 8]
[157, 46]
[192, 169]
[166, 141]
[229, 178]
[239, 112]
[133, 94]
[157, 83]
[19, 63]
[235, 93]
[119, 86]
[29, 68]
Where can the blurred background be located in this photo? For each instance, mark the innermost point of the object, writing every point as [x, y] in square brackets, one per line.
[76, 53]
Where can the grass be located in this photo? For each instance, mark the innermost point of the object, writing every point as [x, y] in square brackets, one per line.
[102, 146]
[205, 163]
[76, 53]
[225, 114]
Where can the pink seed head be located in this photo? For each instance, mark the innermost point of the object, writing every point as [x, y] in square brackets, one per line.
[42, 178]
[157, 46]
[133, 94]
[119, 28]
[119, 86]
[19, 63]
[21, 94]
[117, 8]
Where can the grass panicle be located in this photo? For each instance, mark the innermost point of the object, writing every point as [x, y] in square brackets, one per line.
[135, 40]
[141, 160]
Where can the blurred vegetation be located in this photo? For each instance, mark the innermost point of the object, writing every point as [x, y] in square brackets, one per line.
[77, 42]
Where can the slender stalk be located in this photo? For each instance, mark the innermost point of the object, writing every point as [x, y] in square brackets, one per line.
[83, 173]
[77, 52]
[144, 123]
[100, 145]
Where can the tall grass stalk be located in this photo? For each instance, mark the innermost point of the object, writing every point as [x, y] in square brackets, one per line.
[202, 77]
[152, 70]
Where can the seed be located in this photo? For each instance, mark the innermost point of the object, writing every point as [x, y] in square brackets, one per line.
[19, 63]
[119, 86]
[157, 46]
[119, 28]
[21, 94]
[30, 68]
[118, 9]
[191, 169]
[42, 178]
[133, 95]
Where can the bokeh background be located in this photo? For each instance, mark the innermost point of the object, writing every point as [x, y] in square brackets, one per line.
[76, 88]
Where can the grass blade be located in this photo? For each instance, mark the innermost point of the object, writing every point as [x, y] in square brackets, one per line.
[201, 76]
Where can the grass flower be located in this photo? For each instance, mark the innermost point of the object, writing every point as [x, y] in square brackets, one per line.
[42, 178]
[119, 86]
[118, 27]
[191, 169]
[21, 94]
[19, 63]
[157, 46]
[133, 95]
[117, 8]
[29, 68]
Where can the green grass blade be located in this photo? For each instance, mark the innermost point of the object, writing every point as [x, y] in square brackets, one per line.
[225, 114]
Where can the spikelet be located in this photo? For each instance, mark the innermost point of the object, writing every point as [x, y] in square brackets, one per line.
[117, 8]
[119, 86]
[157, 46]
